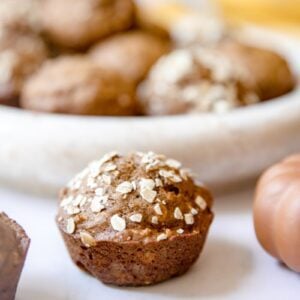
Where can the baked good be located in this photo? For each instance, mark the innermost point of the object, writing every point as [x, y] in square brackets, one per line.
[13, 249]
[20, 56]
[269, 73]
[75, 85]
[130, 54]
[195, 80]
[78, 24]
[134, 220]
[20, 16]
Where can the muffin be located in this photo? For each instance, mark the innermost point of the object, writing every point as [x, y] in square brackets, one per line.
[75, 85]
[195, 80]
[20, 56]
[269, 73]
[78, 24]
[20, 16]
[130, 54]
[13, 249]
[134, 220]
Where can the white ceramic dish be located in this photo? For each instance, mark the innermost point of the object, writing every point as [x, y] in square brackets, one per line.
[40, 152]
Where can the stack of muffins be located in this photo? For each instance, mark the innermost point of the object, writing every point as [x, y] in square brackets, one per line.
[94, 58]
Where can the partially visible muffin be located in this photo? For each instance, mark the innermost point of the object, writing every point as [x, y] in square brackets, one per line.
[75, 85]
[195, 80]
[20, 56]
[134, 220]
[130, 54]
[78, 24]
[269, 72]
[20, 16]
[14, 244]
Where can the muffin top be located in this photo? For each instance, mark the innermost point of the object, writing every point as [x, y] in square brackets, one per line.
[130, 54]
[138, 197]
[75, 85]
[78, 24]
[195, 80]
[268, 71]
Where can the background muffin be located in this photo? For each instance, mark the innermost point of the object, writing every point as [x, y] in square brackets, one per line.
[130, 54]
[74, 85]
[134, 220]
[78, 24]
[269, 73]
[20, 56]
[195, 80]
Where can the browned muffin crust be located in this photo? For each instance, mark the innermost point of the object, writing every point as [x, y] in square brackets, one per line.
[134, 220]
[269, 73]
[20, 56]
[195, 80]
[13, 249]
[75, 85]
[130, 54]
[78, 24]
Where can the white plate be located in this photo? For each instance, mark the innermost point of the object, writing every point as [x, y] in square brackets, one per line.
[40, 152]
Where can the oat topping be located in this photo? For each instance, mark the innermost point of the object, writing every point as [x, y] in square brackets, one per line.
[172, 163]
[157, 209]
[154, 220]
[189, 219]
[170, 175]
[194, 211]
[125, 187]
[109, 167]
[147, 184]
[148, 195]
[71, 210]
[70, 226]
[161, 237]
[66, 201]
[117, 223]
[201, 202]
[137, 218]
[87, 239]
[106, 179]
[178, 214]
[96, 205]
[99, 191]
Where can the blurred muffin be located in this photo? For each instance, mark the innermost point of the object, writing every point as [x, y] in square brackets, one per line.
[134, 220]
[78, 24]
[269, 73]
[75, 85]
[20, 56]
[195, 80]
[20, 15]
[130, 54]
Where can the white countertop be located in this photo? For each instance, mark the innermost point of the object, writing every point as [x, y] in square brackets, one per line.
[232, 265]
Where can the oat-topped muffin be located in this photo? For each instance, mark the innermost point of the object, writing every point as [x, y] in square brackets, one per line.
[268, 72]
[78, 24]
[130, 54]
[195, 80]
[75, 85]
[20, 56]
[134, 220]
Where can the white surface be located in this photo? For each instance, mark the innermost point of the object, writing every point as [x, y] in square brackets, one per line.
[232, 266]
[40, 152]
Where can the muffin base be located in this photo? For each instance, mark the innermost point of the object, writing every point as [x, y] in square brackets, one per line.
[134, 263]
